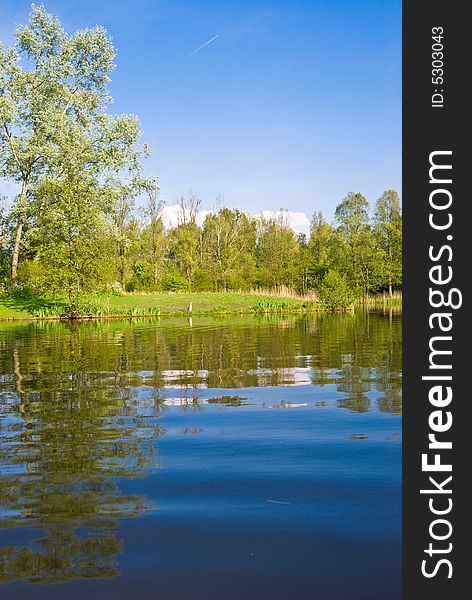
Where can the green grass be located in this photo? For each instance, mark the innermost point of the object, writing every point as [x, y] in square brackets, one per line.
[27, 306]
[204, 303]
[24, 306]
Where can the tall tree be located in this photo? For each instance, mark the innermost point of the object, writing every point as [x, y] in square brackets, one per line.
[320, 248]
[126, 228]
[278, 252]
[388, 229]
[72, 225]
[358, 253]
[229, 238]
[53, 88]
[71, 235]
[153, 242]
[185, 242]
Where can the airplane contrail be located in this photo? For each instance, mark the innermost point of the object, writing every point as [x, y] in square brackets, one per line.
[203, 45]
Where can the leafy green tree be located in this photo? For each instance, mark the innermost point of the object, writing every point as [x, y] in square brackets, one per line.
[388, 229]
[184, 250]
[278, 253]
[304, 263]
[152, 239]
[126, 230]
[357, 253]
[335, 292]
[71, 235]
[228, 243]
[320, 247]
[53, 93]
[184, 245]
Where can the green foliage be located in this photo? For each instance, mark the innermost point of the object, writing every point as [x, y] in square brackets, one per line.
[174, 282]
[70, 235]
[278, 253]
[335, 292]
[317, 254]
[53, 100]
[184, 250]
[388, 231]
[202, 280]
[5, 257]
[357, 252]
[275, 305]
[79, 244]
[84, 305]
[228, 247]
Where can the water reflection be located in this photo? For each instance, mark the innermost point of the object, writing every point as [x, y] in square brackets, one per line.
[81, 408]
[65, 443]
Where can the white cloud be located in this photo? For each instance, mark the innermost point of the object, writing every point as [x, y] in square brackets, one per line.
[298, 221]
[173, 214]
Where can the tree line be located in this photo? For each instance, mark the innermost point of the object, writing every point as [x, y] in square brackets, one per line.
[74, 227]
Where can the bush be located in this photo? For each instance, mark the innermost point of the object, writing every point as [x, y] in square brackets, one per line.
[173, 282]
[202, 280]
[84, 305]
[335, 292]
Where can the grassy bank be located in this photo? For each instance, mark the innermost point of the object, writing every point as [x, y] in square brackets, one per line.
[24, 306]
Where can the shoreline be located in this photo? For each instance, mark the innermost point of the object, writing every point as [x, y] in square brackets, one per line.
[227, 313]
[28, 307]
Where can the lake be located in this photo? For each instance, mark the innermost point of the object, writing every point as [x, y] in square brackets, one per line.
[248, 457]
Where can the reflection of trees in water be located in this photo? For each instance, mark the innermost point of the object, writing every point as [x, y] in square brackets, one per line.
[359, 353]
[62, 454]
[353, 380]
[79, 407]
[391, 401]
[62, 555]
[223, 353]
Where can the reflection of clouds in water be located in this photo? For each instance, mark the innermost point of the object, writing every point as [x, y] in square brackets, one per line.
[285, 376]
[226, 401]
[183, 401]
[289, 405]
[178, 379]
[177, 374]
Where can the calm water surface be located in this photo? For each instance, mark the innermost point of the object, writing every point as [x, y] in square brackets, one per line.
[239, 458]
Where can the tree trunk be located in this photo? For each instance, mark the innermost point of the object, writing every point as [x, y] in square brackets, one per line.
[19, 231]
[16, 252]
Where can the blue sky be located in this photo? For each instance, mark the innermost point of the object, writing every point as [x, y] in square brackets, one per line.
[293, 105]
